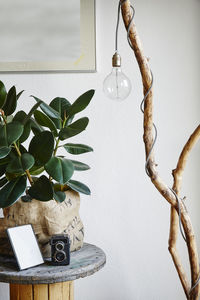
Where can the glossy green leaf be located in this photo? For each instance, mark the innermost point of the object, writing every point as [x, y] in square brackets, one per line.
[42, 189]
[35, 170]
[20, 164]
[12, 191]
[11, 102]
[79, 187]
[41, 147]
[4, 151]
[26, 132]
[3, 94]
[4, 161]
[14, 131]
[35, 127]
[77, 148]
[60, 169]
[61, 105]
[59, 196]
[74, 128]
[45, 121]
[79, 166]
[3, 181]
[47, 109]
[81, 103]
[10, 133]
[3, 136]
[20, 117]
[19, 94]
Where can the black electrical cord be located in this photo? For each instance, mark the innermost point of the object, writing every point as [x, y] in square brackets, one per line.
[155, 128]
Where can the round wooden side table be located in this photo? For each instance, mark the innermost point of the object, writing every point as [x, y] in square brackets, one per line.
[48, 282]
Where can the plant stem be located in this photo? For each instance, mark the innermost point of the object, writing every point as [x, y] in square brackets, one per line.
[26, 171]
[56, 147]
[58, 140]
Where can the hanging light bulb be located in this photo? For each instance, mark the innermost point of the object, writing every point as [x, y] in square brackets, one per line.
[116, 85]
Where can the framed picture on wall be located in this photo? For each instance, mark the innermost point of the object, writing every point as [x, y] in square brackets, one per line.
[47, 35]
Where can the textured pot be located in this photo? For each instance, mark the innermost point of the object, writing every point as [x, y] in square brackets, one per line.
[47, 218]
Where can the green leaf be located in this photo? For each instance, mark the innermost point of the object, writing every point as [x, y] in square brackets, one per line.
[35, 127]
[60, 169]
[20, 164]
[79, 187]
[10, 133]
[3, 181]
[19, 94]
[41, 147]
[42, 189]
[20, 117]
[11, 102]
[11, 192]
[4, 161]
[61, 105]
[3, 136]
[27, 161]
[79, 166]
[81, 103]
[26, 132]
[77, 148]
[45, 121]
[31, 112]
[3, 94]
[14, 131]
[74, 129]
[4, 151]
[35, 170]
[47, 109]
[59, 196]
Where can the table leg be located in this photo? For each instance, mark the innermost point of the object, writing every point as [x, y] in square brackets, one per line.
[53, 291]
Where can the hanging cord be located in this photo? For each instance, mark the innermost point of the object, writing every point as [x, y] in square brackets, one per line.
[155, 128]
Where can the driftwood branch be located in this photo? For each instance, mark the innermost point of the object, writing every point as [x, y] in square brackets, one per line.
[174, 219]
[160, 185]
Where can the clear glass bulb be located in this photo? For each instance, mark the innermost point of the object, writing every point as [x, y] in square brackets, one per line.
[116, 85]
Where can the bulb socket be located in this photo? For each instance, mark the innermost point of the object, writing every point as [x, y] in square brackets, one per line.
[116, 60]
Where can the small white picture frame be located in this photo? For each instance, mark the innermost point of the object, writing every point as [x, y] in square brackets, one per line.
[25, 246]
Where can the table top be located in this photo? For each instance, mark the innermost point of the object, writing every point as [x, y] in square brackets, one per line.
[84, 262]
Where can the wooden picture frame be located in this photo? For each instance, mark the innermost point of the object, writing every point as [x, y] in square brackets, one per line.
[84, 62]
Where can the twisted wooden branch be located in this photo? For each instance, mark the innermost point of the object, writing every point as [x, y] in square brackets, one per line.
[174, 220]
[164, 190]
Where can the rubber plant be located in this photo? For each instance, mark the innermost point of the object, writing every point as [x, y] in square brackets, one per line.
[36, 171]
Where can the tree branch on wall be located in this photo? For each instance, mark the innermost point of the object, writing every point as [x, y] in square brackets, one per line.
[191, 290]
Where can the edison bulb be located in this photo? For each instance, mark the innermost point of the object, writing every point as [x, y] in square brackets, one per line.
[116, 85]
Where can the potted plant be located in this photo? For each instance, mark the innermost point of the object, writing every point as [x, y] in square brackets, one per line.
[36, 184]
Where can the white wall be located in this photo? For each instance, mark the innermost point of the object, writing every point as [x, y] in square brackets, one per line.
[125, 215]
